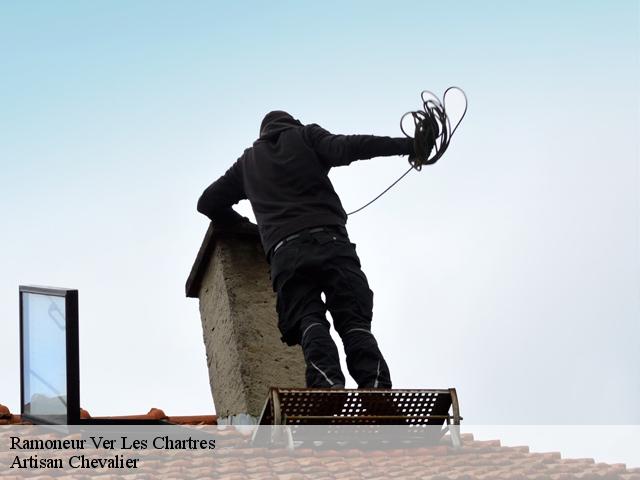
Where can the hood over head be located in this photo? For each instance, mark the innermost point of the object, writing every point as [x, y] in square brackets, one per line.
[276, 122]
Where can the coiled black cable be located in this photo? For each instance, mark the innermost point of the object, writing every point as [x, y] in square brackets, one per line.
[432, 134]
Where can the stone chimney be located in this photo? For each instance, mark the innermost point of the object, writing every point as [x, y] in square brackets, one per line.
[245, 355]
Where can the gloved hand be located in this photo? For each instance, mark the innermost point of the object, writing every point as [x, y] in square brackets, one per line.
[424, 139]
[228, 220]
[245, 226]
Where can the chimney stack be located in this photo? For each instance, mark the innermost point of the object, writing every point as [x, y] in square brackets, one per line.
[245, 355]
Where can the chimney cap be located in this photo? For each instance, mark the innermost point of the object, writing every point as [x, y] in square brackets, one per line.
[243, 229]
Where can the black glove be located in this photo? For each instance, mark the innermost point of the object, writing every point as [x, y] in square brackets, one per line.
[228, 220]
[424, 139]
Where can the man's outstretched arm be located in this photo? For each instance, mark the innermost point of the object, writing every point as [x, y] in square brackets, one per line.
[336, 150]
[216, 201]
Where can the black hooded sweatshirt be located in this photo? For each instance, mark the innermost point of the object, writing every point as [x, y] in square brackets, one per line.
[285, 177]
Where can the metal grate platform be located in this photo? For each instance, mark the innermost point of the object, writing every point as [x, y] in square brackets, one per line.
[298, 407]
[309, 406]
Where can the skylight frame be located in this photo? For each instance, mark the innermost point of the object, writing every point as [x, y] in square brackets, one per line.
[72, 354]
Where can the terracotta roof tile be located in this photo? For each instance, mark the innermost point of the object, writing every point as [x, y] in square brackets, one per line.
[7, 418]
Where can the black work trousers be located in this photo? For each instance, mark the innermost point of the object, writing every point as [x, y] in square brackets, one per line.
[303, 268]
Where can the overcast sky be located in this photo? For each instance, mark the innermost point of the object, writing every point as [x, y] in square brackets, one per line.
[510, 270]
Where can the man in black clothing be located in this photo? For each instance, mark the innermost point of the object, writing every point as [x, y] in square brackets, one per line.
[302, 227]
